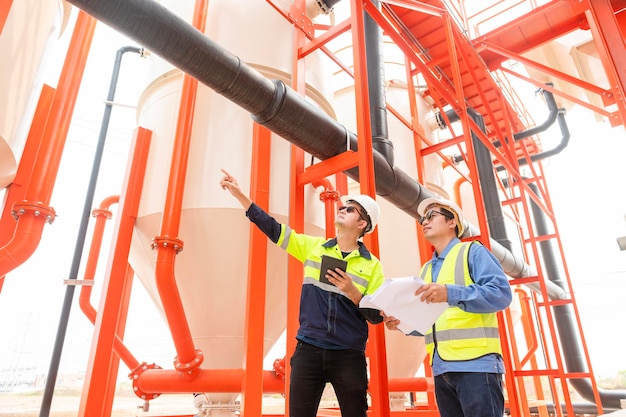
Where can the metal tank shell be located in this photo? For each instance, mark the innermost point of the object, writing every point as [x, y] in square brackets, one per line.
[32, 26]
[212, 269]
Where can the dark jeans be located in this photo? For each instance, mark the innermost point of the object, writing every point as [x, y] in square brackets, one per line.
[468, 394]
[312, 367]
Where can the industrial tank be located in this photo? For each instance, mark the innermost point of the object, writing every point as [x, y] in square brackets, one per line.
[30, 29]
[211, 271]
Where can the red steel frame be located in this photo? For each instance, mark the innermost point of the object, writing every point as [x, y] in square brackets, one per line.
[150, 380]
[517, 399]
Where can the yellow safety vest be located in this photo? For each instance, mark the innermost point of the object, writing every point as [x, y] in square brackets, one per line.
[457, 334]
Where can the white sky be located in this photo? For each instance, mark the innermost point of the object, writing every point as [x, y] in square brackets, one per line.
[585, 180]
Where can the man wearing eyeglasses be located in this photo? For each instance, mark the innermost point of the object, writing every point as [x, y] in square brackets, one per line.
[463, 344]
[333, 329]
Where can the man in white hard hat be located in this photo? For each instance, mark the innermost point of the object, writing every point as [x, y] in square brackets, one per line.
[463, 344]
[333, 329]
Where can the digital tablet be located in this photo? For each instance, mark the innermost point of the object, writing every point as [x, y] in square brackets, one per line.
[328, 262]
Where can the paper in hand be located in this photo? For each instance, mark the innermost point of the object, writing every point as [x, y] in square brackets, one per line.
[396, 297]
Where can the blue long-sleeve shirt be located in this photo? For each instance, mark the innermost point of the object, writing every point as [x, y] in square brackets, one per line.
[490, 293]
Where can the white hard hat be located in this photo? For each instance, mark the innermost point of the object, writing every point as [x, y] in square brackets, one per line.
[447, 204]
[369, 205]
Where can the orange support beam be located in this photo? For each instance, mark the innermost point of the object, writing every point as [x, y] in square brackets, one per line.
[296, 211]
[115, 291]
[251, 385]
[378, 385]
[5, 8]
[609, 41]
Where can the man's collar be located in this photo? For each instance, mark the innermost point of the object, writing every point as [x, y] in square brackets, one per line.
[448, 247]
[363, 251]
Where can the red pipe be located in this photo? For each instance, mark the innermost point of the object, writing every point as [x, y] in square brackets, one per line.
[102, 214]
[33, 212]
[329, 196]
[188, 358]
[164, 381]
[16, 191]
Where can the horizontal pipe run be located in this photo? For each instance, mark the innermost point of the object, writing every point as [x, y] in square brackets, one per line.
[166, 381]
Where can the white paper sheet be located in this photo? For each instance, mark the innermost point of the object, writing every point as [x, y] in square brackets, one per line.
[396, 297]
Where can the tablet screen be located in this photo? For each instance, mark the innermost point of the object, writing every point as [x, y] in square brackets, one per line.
[328, 262]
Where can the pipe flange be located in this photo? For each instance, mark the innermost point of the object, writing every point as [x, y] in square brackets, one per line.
[279, 368]
[270, 111]
[134, 376]
[189, 367]
[20, 209]
[167, 242]
[107, 214]
[332, 195]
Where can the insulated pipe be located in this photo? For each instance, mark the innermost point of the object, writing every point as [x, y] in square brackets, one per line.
[565, 135]
[271, 103]
[376, 86]
[488, 186]
[553, 112]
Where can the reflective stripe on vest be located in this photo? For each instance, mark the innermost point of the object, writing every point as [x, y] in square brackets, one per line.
[312, 265]
[460, 335]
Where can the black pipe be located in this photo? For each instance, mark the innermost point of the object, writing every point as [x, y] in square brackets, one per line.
[553, 112]
[563, 143]
[80, 240]
[281, 109]
[565, 136]
[488, 186]
[376, 86]
[326, 5]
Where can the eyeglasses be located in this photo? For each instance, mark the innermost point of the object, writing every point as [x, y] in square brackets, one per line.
[352, 209]
[429, 215]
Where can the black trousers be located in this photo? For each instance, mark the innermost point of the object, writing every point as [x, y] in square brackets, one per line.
[313, 367]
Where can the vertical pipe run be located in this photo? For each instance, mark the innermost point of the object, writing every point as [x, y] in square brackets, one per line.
[58, 125]
[489, 188]
[102, 214]
[82, 232]
[376, 86]
[167, 244]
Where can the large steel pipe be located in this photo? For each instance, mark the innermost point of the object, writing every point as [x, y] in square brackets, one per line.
[271, 103]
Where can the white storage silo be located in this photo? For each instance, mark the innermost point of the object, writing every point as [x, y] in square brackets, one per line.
[211, 271]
